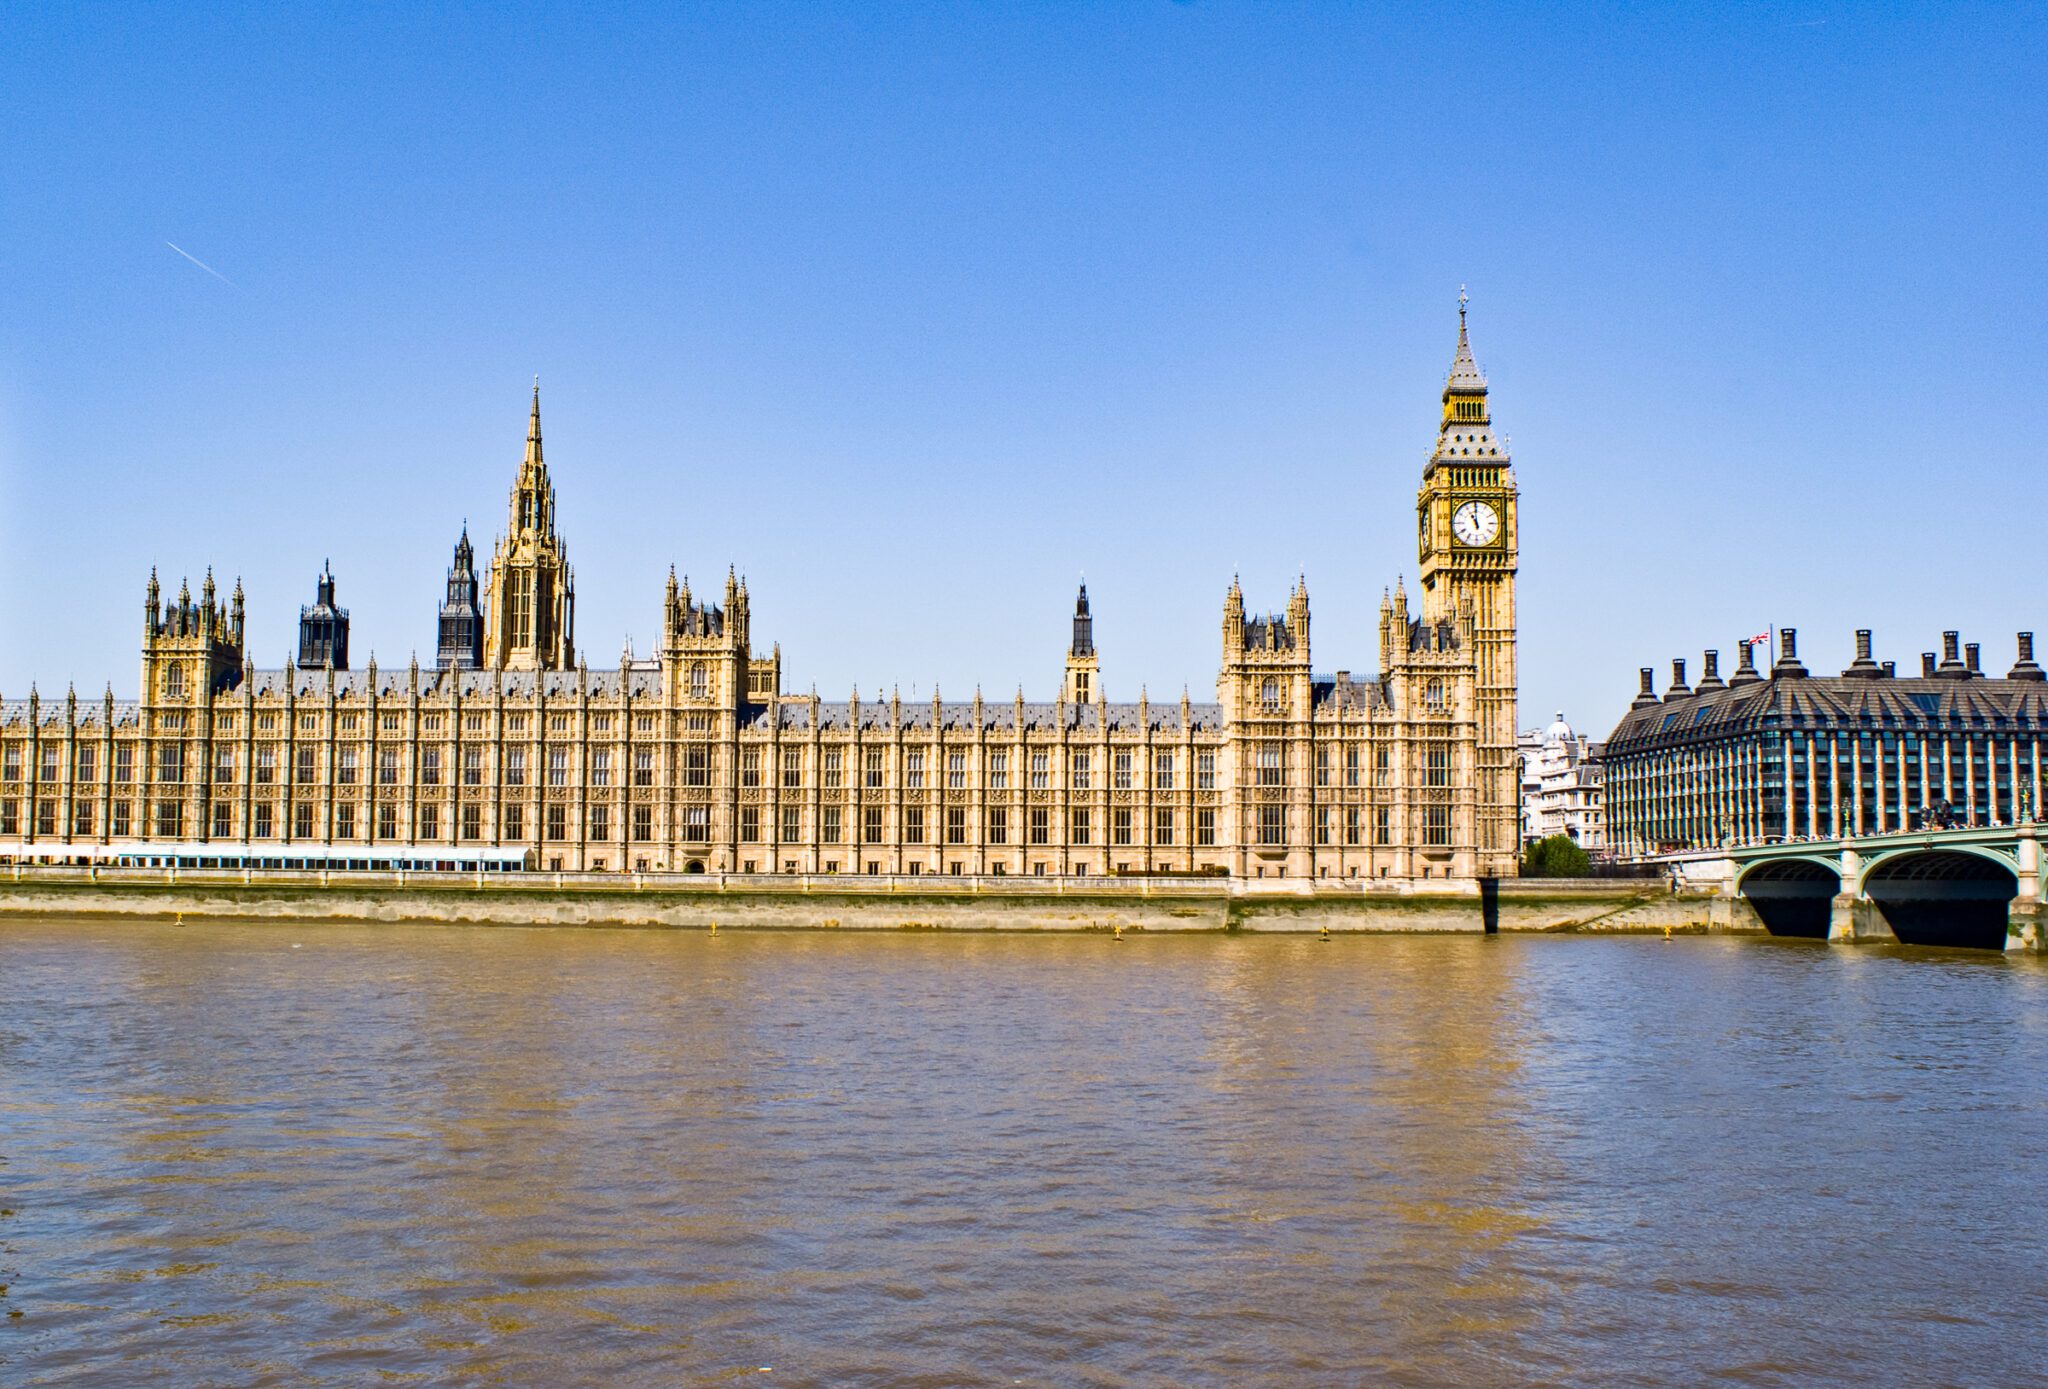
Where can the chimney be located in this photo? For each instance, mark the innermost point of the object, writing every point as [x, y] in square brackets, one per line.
[1678, 685]
[1926, 664]
[1710, 672]
[1891, 670]
[2026, 669]
[1951, 662]
[1863, 667]
[1745, 665]
[1970, 658]
[1648, 693]
[1788, 655]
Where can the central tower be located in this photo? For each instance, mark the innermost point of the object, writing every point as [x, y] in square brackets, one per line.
[530, 619]
[1469, 538]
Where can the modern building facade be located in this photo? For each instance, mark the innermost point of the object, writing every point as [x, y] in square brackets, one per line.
[1561, 787]
[1760, 758]
[697, 758]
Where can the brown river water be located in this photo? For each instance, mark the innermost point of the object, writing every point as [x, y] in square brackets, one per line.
[348, 1155]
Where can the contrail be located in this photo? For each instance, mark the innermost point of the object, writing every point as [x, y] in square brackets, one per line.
[201, 264]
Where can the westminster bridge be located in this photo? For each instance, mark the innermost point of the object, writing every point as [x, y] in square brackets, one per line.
[1977, 887]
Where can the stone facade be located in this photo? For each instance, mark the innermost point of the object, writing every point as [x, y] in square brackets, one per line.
[1561, 787]
[696, 758]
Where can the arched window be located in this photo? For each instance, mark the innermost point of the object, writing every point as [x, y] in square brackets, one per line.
[1269, 693]
[174, 681]
[1433, 694]
[700, 680]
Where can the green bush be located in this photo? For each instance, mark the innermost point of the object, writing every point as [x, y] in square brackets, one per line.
[1556, 857]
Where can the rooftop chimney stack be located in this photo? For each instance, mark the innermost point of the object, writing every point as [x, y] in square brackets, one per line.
[1710, 673]
[1970, 658]
[2026, 668]
[1788, 654]
[1647, 693]
[1951, 660]
[1926, 664]
[1863, 667]
[1891, 669]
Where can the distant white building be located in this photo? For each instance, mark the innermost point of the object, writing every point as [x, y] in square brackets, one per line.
[1560, 773]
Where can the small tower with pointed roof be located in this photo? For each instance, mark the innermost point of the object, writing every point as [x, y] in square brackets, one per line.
[323, 627]
[461, 636]
[530, 616]
[1082, 683]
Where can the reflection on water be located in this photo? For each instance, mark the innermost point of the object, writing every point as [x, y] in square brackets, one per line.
[297, 1155]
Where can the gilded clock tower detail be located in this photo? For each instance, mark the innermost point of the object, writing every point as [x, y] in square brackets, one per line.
[1469, 541]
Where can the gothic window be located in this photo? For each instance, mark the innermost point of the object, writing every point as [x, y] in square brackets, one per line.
[874, 768]
[1272, 824]
[697, 765]
[558, 766]
[223, 765]
[515, 766]
[913, 824]
[750, 766]
[1382, 825]
[85, 764]
[643, 767]
[1120, 772]
[10, 762]
[999, 771]
[1041, 771]
[344, 821]
[302, 822]
[601, 767]
[956, 824]
[828, 824]
[792, 767]
[601, 823]
[223, 819]
[387, 767]
[792, 824]
[1350, 824]
[1079, 825]
[700, 681]
[1205, 771]
[1351, 767]
[999, 825]
[1081, 686]
[429, 827]
[1120, 825]
[1272, 771]
[1436, 826]
[913, 771]
[515, 822]
[117, 819]
[81, 819]
[266, 824]
[558, 822]
[521, 596]
[472, 766]
[1269, 693]
[1205, 828]
[1041, 825]
[1433, 695]
[956, 772]
[170, 764]
[174, 682]
[1322, 766]
[124, 762]
[643, 824]
[871, 825]
[750, 824]
[1080, 778]
[1162, 771]
[832, 765]
[51, 755]
[387, 821]
[1437, 765]
[1162, 826]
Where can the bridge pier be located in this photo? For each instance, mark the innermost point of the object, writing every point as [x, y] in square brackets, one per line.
[1854, 920]
[2023, 919]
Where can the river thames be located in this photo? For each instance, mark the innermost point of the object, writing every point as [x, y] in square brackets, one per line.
[344, 1155]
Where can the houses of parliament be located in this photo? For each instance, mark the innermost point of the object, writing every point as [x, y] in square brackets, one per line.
[513, 752]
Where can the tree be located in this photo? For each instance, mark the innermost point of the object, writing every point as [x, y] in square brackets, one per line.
[1556, 857]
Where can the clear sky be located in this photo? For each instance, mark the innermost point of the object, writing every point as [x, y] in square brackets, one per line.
[916, 313]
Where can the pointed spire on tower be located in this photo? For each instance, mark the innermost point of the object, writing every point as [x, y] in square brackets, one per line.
[533, 454]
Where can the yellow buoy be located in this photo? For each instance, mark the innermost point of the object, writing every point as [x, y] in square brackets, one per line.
[714, 928]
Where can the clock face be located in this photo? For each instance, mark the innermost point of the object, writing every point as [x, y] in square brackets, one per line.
[1475, 523]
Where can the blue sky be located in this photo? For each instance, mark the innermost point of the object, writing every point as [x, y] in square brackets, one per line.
[916, 313]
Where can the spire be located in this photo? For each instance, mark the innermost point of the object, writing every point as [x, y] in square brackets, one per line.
[1465, 389]
[1084, 626]
[533, 457]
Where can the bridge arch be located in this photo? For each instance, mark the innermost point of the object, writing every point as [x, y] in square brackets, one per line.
[1957, 895]
[1793, 896]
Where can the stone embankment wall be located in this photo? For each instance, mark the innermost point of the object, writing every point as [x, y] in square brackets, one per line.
[872, 904]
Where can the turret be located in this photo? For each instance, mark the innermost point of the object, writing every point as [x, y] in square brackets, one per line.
[1082, 682]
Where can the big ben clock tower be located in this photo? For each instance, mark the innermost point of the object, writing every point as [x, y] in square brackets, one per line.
[1469, 540]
